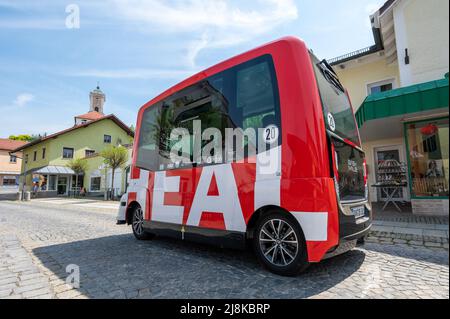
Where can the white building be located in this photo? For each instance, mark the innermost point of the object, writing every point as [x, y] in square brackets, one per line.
[399, 90]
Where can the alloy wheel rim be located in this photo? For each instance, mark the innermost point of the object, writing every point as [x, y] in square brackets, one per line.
[138, 221]
[278, 242]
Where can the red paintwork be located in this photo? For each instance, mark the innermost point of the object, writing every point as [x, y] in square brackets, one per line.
[306, 183]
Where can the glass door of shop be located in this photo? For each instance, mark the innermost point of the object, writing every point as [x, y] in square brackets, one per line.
[390, 155]
[62, 185]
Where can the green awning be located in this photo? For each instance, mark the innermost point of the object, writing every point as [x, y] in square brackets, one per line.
[411, 99]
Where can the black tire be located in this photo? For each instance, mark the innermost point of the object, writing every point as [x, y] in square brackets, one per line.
[361, 241]
[137, 219]
[274, 246]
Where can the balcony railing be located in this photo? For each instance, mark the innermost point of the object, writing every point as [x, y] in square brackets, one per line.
[351, 55]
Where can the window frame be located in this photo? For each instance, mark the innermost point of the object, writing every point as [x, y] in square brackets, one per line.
[89, 153]
[44, 149]
[371, 85]
[9, 178]
[48, 182]
[99, 185]
[105, 140]
[68, 148]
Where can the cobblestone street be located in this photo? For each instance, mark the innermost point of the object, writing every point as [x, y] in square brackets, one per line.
[38, 242]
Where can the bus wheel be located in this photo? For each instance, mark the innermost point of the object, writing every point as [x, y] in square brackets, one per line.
[280, 245]
[137, 224]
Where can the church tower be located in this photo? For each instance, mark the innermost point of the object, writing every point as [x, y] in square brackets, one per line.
[97, 100]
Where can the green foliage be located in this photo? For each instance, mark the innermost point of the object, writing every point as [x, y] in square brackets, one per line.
[21, 137]
[114, 156]
[79, 165]
[26, 137]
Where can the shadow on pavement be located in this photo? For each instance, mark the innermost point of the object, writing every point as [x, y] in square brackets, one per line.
[122, 267]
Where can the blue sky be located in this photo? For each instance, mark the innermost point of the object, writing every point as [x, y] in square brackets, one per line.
[138, 48]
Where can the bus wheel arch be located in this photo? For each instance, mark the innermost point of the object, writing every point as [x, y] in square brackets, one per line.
[264, 210]
[129, 212]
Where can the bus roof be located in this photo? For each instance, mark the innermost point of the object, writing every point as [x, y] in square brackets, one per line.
[221, 66]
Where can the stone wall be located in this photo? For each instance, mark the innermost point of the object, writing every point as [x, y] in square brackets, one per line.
[434, 207]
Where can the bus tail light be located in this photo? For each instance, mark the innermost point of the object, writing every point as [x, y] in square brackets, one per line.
[366, 177]
[365, 172]
[334, 158]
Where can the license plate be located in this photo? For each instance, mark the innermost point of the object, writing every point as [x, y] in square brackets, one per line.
[358, 211]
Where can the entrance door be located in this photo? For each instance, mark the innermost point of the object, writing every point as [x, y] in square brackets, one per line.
[62, 185]
[390, 153]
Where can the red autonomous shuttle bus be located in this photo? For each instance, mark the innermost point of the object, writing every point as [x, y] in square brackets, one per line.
[299, 196]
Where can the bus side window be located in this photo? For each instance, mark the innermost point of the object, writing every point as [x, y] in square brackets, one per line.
[244, 96]
[257, 97]
[147, 155]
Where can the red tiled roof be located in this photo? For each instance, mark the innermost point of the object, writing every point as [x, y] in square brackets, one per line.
[106, 117]
[93, 115]
[9, 145]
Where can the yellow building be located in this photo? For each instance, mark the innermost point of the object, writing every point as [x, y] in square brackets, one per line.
[399, 91]
[45, 160]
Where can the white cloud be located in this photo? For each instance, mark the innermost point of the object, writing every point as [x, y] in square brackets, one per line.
[23, 99]
[195, 47]
[214, 24]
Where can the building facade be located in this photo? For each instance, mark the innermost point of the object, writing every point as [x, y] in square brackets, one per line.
[399, 91]
[10, 164]
[45, 168]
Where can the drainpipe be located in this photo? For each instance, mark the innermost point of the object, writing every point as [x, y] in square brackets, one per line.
[24, 178]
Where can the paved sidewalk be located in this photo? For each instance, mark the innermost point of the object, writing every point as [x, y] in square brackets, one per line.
[415, 234]
[391, 226]
[433, 230]
[19, 276]
[79, 202]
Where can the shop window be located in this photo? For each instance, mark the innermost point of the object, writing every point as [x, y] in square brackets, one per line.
[95, 184]
[43, 182]
[51, 183]
[9, 180]
[428, 157]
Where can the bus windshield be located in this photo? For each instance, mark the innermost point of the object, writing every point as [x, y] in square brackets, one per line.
[337, 109]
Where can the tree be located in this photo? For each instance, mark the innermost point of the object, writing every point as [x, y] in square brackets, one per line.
[114, 157]
[79, 166]
[27, 138]
[21, 137]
